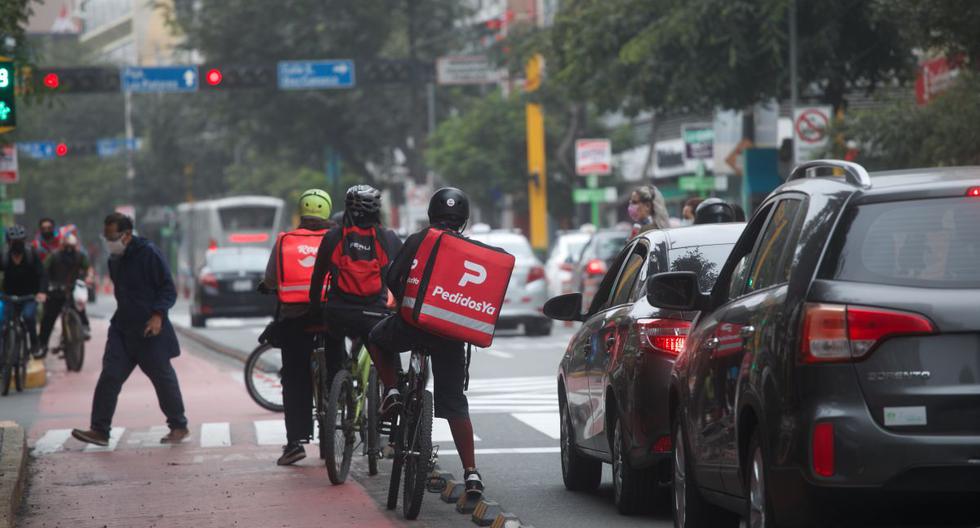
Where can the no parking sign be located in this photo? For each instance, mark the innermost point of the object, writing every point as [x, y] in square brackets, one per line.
[810, 131]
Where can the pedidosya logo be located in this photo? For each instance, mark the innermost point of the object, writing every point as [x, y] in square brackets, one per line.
[310, 255]
[474, 274]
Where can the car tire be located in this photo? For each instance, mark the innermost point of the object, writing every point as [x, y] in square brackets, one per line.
[578, 472]
[758, 506]
[690, 509]
[633, 489]
[538, 328]
[198, 321]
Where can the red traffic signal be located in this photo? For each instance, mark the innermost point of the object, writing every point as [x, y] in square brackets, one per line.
[52, 81]
[61, 150]
[213, 77]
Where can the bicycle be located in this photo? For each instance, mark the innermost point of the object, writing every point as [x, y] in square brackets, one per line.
[411, 433]
[263, 377]
[72, 340]
[13, 352]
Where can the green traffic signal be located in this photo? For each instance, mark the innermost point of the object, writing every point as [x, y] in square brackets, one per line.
[8, 112]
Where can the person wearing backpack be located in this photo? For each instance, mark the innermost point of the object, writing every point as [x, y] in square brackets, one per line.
[288, 272]
[449, 210]
[355, 256]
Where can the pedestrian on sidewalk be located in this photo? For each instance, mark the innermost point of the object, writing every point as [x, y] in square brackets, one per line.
[140, 334]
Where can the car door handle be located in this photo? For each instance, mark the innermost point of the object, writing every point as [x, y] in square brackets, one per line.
[711, 344]
[610, 340]
[747, 331]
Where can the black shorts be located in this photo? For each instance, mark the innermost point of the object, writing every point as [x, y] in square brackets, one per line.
[448, 358]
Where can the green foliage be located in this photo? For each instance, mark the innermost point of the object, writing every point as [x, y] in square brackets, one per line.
[904, 135]
[951, 26]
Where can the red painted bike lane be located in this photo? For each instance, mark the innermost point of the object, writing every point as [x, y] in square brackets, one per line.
[224, 474]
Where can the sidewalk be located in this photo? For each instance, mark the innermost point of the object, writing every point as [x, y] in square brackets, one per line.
[142, 483]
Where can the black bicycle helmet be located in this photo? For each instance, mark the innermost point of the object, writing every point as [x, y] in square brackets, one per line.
[363, 204]
[714, 211]
[450, 207]
[16, 232]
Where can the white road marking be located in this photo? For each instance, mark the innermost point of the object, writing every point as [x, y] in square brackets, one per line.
[52, 441]
[507, 451]
[441, 432]
[216, 434]
[270, 432]
[546, 423]
[498, 354]
[114, 437]
[150, 438]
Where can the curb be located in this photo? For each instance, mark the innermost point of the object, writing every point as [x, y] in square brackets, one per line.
[225, 350]
[13, 470]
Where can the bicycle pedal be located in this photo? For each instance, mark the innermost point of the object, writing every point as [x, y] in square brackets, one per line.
[435, 484]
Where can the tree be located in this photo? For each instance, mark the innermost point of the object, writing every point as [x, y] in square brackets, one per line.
[950, 26]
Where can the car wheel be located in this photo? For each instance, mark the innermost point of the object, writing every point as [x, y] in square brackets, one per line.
[198, 321]
[689, 507]
[632, 488]
[579, 472]
[537, 328]
[758, 506]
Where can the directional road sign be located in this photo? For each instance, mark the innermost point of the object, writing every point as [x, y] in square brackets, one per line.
[316, 75]
[598, 195]
[37, 149]
[107, 148]
[159, 79]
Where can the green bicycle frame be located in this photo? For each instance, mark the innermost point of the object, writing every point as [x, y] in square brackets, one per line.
[362, 373]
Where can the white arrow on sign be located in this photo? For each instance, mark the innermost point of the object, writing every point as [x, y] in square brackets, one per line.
[340, 68]
[189, 77]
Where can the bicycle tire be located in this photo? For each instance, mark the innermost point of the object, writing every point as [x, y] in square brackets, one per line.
[266, 364]
[6, 363]
[418, 466]
[74, 344]
[337, 430]
[397, 462]
[373, 422]
[20, 361]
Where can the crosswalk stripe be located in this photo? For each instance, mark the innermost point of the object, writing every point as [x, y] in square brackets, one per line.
[216, 434]
[441, 432]
[52, 441]
[546, 423]
[270, 432]
[149, 438]
[114, 437]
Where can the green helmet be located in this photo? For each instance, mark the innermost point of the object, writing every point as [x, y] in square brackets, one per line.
[315, 203]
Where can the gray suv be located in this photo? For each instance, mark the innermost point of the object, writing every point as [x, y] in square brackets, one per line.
[835, 366]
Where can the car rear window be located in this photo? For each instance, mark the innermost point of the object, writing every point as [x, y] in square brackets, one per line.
[610, 245]
[706, 261]
[517, 246]
[928, 243]
[247, 217]
[234, 261]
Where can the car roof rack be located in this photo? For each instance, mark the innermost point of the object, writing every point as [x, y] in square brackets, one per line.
[853, 173]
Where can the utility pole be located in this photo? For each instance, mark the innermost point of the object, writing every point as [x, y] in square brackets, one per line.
[537, 187]
[793, 90]
[130, 166]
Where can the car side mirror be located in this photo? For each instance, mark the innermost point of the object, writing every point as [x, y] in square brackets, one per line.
[567, 307]
[676, 290]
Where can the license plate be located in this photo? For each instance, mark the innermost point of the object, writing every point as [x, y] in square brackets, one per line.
[241, 285]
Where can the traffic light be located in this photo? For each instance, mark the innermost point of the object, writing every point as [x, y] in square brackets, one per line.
[234, 77]
[8, 104]
[77, 80]
[386, 71]
[61, 150]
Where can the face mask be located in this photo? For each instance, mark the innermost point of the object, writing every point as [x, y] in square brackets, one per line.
[115, 247]
[633, 210]
[47, 235]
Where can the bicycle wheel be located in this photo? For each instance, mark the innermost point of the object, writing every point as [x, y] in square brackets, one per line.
[373, 422]
[263, 377]
[6, 361]
[74, 343]
[337, 429]
[20, 361]
[418, 464]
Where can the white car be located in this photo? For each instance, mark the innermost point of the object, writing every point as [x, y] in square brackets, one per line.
[564, 255]
[528, 289]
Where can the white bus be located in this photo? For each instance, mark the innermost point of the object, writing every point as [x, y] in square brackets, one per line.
[234, 221]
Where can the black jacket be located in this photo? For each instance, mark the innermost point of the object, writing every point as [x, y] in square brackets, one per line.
[389, 241]
[402, 265]
[143, 285]
[26, 278]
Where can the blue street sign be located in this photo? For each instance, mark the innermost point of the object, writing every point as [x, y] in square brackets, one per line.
[37, 149]
[107, 148]
[159, 79]
[316, 75]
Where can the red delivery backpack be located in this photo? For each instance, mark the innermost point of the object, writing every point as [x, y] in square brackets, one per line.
[297, 255]
[359, 259]
[456, 287]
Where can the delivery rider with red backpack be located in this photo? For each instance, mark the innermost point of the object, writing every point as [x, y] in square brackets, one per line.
[289, 271]
[355, 256]
[449, 210]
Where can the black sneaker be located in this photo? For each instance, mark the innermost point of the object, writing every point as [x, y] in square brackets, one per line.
[474, 484]
[291, 453]
[391, 403]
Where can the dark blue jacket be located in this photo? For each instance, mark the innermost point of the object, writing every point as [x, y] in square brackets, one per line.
[143, 286]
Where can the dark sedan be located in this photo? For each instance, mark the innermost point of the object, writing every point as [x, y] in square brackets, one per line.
[226, 285]
[612, 381]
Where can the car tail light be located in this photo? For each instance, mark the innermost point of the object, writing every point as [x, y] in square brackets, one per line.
[534, 274]
[209, 280]
[973, 191]
[595, 267]
[666, 336]
[823, 449]
[248, 238]
[662, 445]
[213, 245]
[836, 333]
